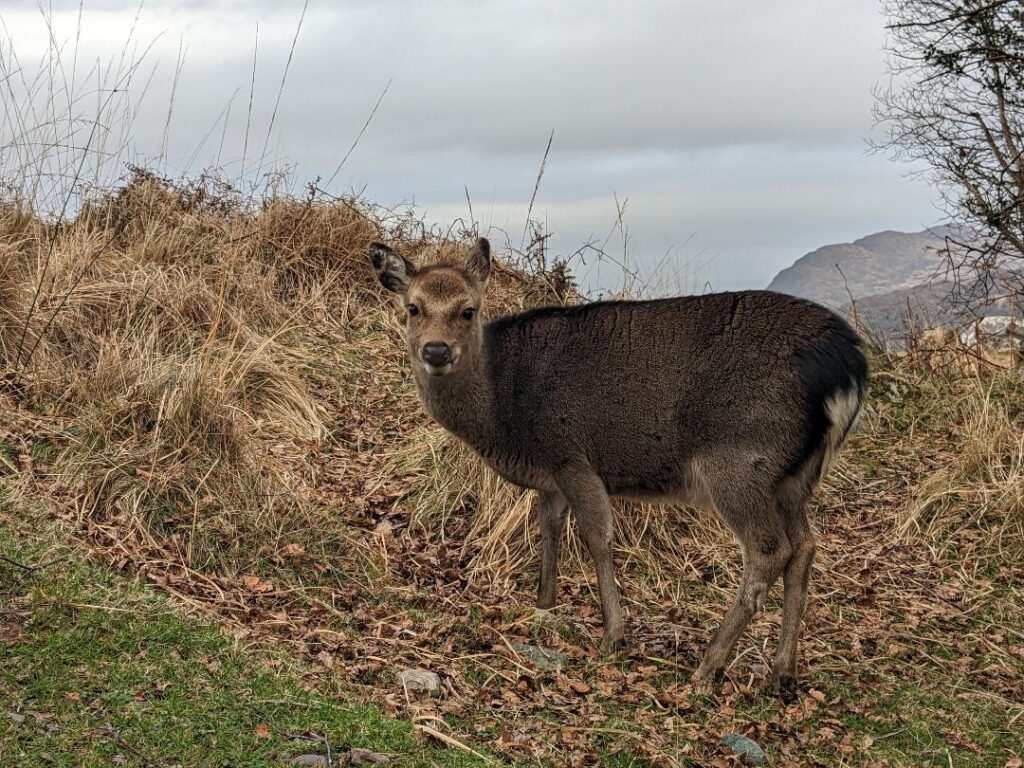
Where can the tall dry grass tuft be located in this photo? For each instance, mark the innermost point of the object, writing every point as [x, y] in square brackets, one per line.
[947, 416]
[974, 499]
[10, 283]
[167, 324]
[175, 448]
[209, 350]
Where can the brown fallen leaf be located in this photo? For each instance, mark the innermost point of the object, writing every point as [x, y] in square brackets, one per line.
[256, 584]
[293, 550]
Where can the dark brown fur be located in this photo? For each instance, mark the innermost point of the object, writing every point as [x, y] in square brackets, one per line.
[731, 401]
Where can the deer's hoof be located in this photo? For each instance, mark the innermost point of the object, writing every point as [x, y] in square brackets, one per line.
[707, 682]
[543, 621]
[611, 645]
[785, 687]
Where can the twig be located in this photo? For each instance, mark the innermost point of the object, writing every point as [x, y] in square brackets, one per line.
[64, 299]
[359, 135]
[469, 202]
[31, 568]
[280, 90]
[122, 742]
[327, 744]
[170, 104]
[536, 186]
[853, 302]
[252, 93]
[451, 741]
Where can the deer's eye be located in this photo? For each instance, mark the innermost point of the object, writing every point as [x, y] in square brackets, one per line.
[413, 310]
[468, 313]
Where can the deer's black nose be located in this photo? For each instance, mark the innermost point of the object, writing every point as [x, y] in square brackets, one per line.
[437, 354]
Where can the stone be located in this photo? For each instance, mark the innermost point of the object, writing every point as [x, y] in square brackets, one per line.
[420, 681]
[15, 718]
[749, 752]
[358, 756]
[545, 659]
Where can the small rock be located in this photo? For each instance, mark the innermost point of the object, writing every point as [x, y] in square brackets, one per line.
[358, 756]
[420, 681]
[309, 760]
[545, 659]
[355, 756]
[15, 718]
[745, 748]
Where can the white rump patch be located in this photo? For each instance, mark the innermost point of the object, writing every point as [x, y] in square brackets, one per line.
[843, 412]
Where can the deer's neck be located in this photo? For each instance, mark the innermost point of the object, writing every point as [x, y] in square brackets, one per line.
[462, 402]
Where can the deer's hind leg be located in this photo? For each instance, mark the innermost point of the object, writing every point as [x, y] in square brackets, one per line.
[754, 519]
[792, 499]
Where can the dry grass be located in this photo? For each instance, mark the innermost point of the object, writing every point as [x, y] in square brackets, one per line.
[158, 321]
[223, 389]
[977, 486]
[199, 343]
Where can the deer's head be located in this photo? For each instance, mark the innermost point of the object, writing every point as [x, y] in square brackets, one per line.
[442, 303]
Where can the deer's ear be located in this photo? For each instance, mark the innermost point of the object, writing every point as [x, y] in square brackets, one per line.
[392, 268]
[478, 263]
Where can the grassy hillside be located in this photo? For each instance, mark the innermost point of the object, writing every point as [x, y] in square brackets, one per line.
[99, 670]
[210, 394]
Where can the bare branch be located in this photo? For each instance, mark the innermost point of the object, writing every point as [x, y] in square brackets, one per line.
[956, 105]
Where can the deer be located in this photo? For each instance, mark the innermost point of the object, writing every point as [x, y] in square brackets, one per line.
[735, 402]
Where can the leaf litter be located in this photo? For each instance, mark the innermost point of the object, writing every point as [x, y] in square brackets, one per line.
[384, 546]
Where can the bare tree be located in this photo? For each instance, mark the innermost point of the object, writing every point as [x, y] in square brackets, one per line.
[956, 102]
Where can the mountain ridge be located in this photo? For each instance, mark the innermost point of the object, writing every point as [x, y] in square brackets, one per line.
[893, 279]
[877, 263]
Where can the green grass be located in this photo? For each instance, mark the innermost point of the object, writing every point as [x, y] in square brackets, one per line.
[913, 726]
[106, 672]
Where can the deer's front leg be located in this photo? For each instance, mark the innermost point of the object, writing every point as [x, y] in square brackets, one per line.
[592, 510]
[552, 510]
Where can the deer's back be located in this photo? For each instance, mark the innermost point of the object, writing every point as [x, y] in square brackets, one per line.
[642, 390]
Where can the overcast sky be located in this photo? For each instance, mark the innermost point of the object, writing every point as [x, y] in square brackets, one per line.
[735, 130]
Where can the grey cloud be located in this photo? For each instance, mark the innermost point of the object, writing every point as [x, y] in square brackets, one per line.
[605, 75]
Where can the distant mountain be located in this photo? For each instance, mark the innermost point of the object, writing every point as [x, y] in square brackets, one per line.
[879, 263]
[891, 276]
